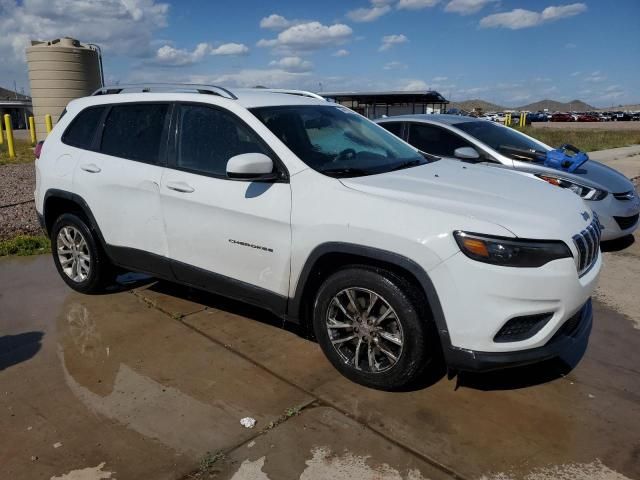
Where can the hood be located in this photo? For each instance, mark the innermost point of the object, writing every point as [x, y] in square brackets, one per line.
[605, 177]
[527, 207]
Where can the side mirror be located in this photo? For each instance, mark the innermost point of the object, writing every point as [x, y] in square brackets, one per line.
[466, 153]
[251, 166]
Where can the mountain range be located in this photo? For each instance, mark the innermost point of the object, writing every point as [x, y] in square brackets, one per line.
[550, 105]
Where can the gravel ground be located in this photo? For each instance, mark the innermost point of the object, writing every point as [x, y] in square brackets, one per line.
[16, 185]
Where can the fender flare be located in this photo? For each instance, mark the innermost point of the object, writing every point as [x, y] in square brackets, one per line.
[295, 306]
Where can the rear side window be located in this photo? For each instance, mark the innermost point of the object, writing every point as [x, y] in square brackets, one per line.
[134, 131]
[393, 127]
[82, 129]
[210, 137]
[435, 140]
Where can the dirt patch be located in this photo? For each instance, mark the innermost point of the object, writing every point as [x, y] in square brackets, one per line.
[17, 209]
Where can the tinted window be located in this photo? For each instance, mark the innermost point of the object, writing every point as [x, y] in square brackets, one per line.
[134, 132]
[502, 139]
[435, 140]
[393, 127]
[83, 127]
[210, 137]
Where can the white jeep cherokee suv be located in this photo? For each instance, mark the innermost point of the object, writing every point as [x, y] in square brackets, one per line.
[311, 211]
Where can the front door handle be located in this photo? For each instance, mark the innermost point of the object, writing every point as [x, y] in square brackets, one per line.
[180, 187]
[90, 167]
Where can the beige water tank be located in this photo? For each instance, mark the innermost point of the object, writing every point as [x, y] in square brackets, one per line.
[59, 71]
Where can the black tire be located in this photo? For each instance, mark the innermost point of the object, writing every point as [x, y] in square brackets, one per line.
[420, 345]
[100, 272]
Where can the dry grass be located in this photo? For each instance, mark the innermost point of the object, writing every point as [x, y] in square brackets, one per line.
[585, 140]
[24, 152]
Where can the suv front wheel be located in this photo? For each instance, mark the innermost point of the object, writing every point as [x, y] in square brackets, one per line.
[80, 260]
[372, 326]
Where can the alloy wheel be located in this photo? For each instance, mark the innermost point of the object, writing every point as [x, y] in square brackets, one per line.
[73, 254]
[365, 330]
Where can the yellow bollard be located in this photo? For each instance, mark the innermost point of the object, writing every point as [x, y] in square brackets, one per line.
[10, 146]
[1, 135]
[48, 123]
[32, 130]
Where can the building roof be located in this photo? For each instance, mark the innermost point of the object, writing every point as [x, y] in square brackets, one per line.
[391, 96]
[436, 118]
[11, 95]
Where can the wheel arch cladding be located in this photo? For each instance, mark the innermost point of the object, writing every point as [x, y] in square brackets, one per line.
[327, 258]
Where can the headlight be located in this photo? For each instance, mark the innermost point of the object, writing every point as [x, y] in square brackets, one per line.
[510, 252]
[588, 193]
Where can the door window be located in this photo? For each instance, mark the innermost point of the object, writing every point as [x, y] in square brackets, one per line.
[393, 127]
[134, 131]
[435, 140]
[82, 129]
[209, 137]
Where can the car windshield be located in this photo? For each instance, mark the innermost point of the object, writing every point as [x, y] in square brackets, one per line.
[504, 140]
[336, 141]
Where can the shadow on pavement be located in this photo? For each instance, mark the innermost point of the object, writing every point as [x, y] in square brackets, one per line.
[525, 376]
[18, 348]
[618, 244]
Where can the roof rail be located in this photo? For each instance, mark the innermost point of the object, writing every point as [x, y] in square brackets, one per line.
[166, 87]
[301, 93]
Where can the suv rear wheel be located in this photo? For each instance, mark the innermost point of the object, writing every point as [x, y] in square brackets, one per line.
[80, 260]
[372, 326]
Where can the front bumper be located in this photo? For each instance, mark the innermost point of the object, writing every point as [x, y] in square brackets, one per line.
[574, 332]
[611, 207]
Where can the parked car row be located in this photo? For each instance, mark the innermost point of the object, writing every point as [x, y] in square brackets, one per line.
[501, 117]
[392, 247]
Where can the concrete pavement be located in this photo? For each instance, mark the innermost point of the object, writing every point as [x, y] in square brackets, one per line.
[143, 382]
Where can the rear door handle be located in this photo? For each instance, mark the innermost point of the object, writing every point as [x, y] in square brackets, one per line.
[90, 167]
[180, 187]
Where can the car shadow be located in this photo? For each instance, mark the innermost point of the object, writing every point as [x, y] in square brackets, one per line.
[618, 244]
[524, 376]
[235, 307]
[18, 348]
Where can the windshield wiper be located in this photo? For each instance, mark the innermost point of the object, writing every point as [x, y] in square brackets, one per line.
[408, 164]
[345, 172]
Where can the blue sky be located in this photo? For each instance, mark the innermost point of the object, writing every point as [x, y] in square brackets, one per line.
[508, 51]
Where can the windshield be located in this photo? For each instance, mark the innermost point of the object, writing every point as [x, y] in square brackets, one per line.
[507, 141]
[337, 141]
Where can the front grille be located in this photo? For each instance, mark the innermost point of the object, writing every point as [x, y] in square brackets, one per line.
[630, 195]
[588, 244]
[521, 328]
[627, 222]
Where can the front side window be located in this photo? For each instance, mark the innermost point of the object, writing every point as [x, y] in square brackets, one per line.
[209, 137]
[134, 131]
[393, 127]
[82, 129]
[435, 140]
[507, 141]
[337, 141]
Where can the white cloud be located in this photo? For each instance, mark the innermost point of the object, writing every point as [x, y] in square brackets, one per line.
[230, 49]
[595, 77]
[575, 74]
[416, 4]
[292, 64]
[309, 36]
[368, 14]
[570, 45]
[340, 53]
[440, 79]
[274, 77]
[275, 22]
[395, 66]
[176, 57]
[466, 7]
[118, 27]
[411, 85]
[389, 41]
[521, 18]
